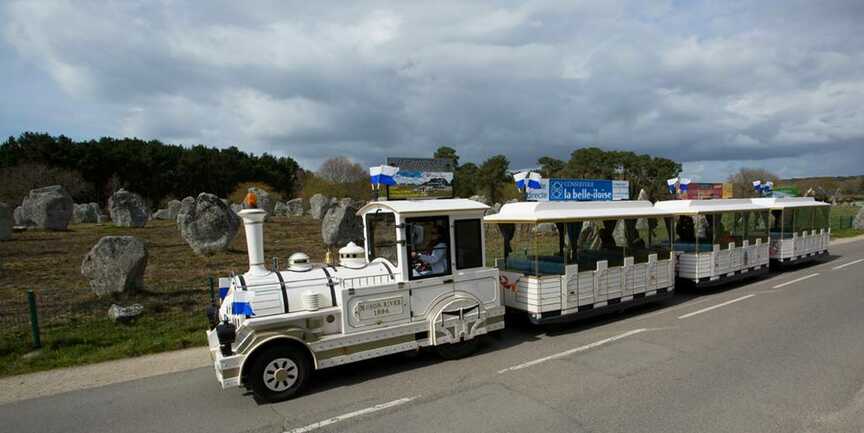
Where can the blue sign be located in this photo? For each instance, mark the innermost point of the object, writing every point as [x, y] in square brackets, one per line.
[588, 190]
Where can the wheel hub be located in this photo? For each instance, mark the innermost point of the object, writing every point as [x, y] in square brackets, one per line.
[280, 374]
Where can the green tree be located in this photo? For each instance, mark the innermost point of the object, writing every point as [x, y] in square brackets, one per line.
[551, 167]
[492, 176]
[449, 153]
[642, 171]
[465, 180]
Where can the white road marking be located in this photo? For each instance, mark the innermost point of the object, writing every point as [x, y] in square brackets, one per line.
[572, 351]
[722, 304]
[847, 264]
[361, 412]
[795, 280]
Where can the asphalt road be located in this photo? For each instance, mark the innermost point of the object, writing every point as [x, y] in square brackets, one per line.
[781, 354]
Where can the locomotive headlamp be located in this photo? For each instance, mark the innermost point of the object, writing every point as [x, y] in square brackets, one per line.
[226, 333]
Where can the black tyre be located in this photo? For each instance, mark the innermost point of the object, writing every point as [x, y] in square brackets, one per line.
[279, 373]
[458, 350]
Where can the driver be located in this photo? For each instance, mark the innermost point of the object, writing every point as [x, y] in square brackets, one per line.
[436, 259]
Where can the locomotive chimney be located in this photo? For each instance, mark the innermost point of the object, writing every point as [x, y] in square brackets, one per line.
[253, 222]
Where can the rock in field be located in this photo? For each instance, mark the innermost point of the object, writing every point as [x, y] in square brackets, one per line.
[128, 209]
[85, 213]
[207, 224]
[295, 207]
[171, 211]
[858, 222]
[121, 314]
[5, 222]
[48, 208]
[318, 206]
[115, 264]
[281, 209]
[480, 198]
[341, 225]
[20, 217]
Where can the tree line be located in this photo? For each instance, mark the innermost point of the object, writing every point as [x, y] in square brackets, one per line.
[492, 178]
[92, 170]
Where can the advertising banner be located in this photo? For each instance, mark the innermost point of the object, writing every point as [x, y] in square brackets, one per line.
[588, 190]
[787, 191]
[539, 194]
[703, 191]
[420, 178]
[727, 190]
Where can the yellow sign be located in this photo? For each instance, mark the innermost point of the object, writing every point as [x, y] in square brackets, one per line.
[727, 190]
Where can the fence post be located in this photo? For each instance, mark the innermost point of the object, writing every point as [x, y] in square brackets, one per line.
[34, 319]
[212, 292]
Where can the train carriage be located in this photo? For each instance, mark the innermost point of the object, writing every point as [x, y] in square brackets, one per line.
[562, 260]
[800, 228]
[719, 240]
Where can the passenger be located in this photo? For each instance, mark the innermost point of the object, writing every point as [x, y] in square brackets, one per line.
[685, 229]
[434, 261]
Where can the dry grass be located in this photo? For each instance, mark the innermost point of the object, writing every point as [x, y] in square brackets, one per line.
[37, 259]
[73, 322]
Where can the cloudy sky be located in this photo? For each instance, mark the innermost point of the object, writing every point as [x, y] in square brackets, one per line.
[716, 85]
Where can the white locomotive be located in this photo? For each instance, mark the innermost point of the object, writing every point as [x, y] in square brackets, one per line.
[421, 280]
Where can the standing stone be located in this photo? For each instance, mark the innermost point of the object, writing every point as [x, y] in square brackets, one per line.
[115, 264]
[341, 225]
[319, 204]
[264, 201]
[589, 237]
[174, 208]
[207, 224]
[48, 208]
[295, 207]
[85, 213]
[281, 209]
[480, 198]
[128, 209]
[20, 217]
[5, 222]
[170, 212]
[858, 222]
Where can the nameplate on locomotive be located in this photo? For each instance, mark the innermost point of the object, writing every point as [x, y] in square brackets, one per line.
[378, 308]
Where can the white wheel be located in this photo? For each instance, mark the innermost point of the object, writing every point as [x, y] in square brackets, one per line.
[280, 374]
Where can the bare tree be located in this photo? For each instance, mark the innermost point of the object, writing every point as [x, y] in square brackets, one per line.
[341, 170]
[19, 179]
[742, 182]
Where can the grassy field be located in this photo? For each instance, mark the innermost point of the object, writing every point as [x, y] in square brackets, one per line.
[74, 323]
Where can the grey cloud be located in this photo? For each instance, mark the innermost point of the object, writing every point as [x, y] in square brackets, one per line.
[716, 85]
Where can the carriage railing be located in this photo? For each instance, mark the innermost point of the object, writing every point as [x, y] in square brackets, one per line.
[367, 281]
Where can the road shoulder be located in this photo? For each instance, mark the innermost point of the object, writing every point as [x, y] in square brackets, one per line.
[51, 382]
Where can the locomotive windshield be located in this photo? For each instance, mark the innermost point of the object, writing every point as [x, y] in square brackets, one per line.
[381, 236]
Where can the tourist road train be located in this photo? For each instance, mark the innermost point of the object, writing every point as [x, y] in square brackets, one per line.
[442, 273]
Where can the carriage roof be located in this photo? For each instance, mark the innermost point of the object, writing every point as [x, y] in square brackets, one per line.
[694, 207]
[407, 207]
[784, 202]
[562, 211]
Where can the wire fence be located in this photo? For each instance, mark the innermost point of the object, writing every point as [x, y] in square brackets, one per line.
[66, 318]
[839, 222]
